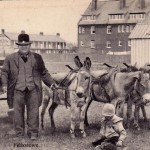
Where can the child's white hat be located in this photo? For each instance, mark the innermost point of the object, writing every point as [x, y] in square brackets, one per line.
[108, 110]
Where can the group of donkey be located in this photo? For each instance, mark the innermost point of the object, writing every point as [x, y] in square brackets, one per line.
[80, 86]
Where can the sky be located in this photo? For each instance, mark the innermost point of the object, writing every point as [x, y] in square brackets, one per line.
[48, 16]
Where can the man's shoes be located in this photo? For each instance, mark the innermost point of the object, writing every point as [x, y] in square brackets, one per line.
[33, 136]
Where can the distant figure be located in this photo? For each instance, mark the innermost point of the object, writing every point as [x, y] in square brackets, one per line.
[22, 73]
[112, 132]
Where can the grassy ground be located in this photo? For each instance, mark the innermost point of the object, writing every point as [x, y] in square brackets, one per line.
[60, 140]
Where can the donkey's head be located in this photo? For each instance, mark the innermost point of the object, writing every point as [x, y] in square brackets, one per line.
[82, 80]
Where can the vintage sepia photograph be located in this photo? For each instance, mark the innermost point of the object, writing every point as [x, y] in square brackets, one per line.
[74, 74]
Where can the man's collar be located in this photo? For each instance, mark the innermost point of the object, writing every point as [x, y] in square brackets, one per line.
[24, 55]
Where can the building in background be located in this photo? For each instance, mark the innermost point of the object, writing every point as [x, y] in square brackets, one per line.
[140, 45]
[106, 25]
[40, 43]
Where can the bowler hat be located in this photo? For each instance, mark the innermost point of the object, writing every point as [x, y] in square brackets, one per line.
[23, 39]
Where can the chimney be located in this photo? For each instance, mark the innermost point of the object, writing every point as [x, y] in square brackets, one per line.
[3, 31]
[122, 4]
[141, 4]
[94, 4]
[22, 31]
[41, 33]
[58, 34]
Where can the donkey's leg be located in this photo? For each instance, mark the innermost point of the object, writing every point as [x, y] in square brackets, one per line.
[51, 114]
[121, 109]
[119, 104]
[83, 111]
[44, 106]
[129, 111]
[143, 112]
[73, 119]
[86, 118]
[136, 116]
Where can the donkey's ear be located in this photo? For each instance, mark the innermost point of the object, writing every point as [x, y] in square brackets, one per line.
[78, 62]
[126, 65]
[135, 65]
[69, 67]
[108, 65]
[87, 63]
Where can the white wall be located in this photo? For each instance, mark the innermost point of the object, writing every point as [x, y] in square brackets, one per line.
[140, 51]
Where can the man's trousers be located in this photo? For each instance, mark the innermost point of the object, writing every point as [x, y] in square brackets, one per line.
[30, 100]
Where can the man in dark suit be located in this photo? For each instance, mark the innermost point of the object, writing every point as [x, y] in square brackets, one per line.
[22, 76]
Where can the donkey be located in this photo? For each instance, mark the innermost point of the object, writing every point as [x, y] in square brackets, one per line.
[114, 87]
[76, 86]
[141, 87]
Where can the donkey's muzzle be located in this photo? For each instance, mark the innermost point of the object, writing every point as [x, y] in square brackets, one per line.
[80, 95]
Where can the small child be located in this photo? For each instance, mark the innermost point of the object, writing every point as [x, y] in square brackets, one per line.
[112, 132]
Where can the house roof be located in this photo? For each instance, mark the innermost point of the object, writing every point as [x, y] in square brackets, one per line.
[36, 37]
[104, 8]
[141, 31]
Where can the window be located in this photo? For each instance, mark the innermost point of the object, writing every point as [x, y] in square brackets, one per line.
[110, 17]
[36, 44]
[94, 17]
[127, 29]
[129, 43]
[81, 30]
[48, 51]
[141, 16]
[64, 45]
[41, 45]
[109, 29]
[92, 29]
[54, 45]
[58, 46]
[92, 44]
[131, 28]
[119, 28]
[116, 16]
[82, 44]
[134, 16]
[33, 45]
[44, 44]
[49, 45]
[37, 51]
[61, 45]
[89, 18]
[108, 44]
[120, 43]
[123, 28]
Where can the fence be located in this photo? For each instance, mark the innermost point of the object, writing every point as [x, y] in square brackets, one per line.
[95, 57]
[57, 62]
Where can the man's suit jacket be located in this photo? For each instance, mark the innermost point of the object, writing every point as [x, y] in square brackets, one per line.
[10, 72]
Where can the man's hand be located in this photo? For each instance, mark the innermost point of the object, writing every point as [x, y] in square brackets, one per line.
[54, 86]
[4, 89]
[119, 143]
